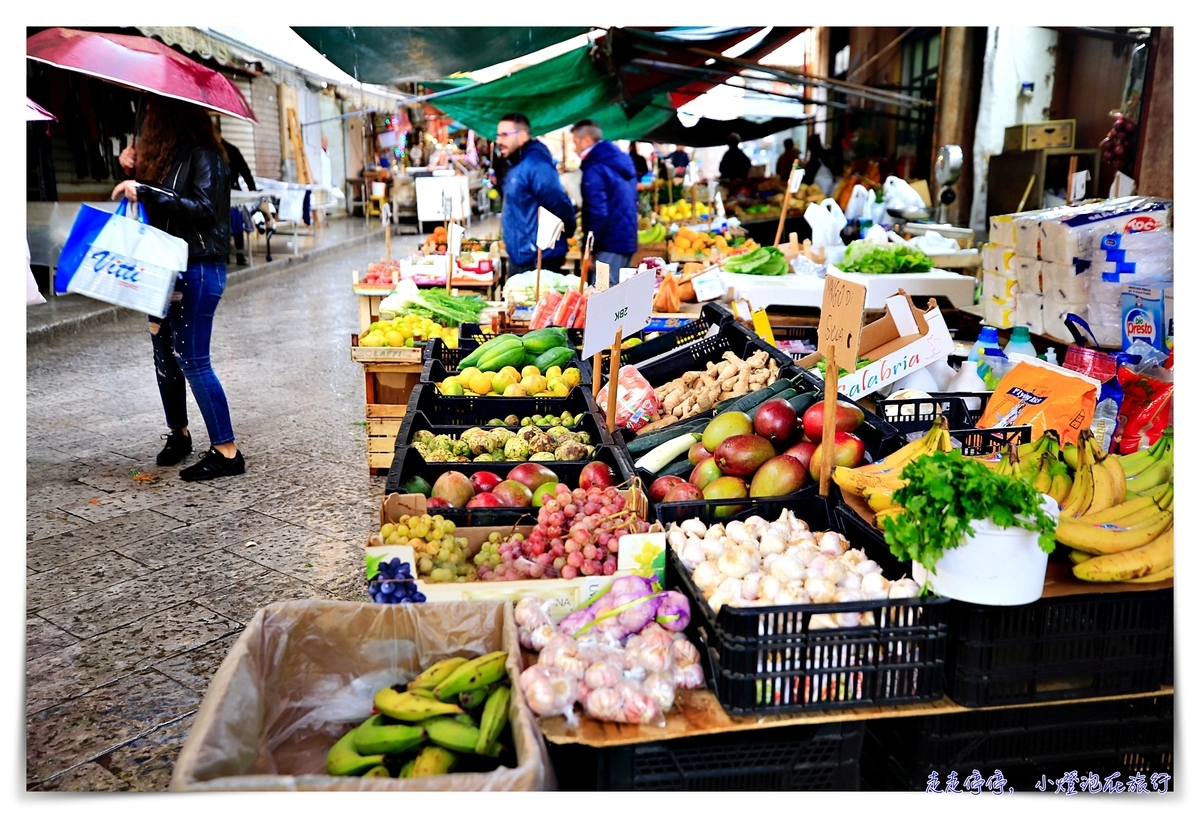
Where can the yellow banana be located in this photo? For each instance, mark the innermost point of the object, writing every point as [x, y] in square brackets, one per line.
[1081, 495]
[880, 516]
[409, 707]
[1140, 516]
[435, 674]
[343, 759]
[879, 498]
[1077, 557]
[495, 716]
[373, 736]
[407, 770]
[900, 458]
[1126, 565]
[1103, 493]
[377, 772]
[1060, 487]
[1156, 475]
[1108, 538]
[1116, 476]
[1116, 512]
[1042, 480]
[433, 760]
[1159, 576]
[854, 482]
[478, 672]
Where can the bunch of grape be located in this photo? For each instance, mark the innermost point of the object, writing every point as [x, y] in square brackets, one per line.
[1118, 145]
[441, 557]
[577, 533]
[394, 583]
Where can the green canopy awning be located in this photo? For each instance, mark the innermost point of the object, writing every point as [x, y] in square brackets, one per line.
[554, 94]
[392, 54]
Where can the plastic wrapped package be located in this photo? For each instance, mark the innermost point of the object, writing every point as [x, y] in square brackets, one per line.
[304, 672]
[543, 312]
[636, 401]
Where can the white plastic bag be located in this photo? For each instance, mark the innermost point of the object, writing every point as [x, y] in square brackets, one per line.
[827, 221]
[860, 200]
[899, 194]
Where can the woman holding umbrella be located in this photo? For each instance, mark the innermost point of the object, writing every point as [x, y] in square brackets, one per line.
[181, 175]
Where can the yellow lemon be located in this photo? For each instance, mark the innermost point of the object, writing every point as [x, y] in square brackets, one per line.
[511, 372]
[560, 390]
[530, 370]
[394, 338]
[451, 386]
[571, 377]
[533, 384]
[481, 383]
[553, 372]
[501, 381]
[515, 391]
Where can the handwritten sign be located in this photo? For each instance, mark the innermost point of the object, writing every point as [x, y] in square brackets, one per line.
[550, 227]
[1122, 186]
[841, 319]
[602, 274]
[624, 308]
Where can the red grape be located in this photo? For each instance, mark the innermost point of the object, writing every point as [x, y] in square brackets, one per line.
[569, 572]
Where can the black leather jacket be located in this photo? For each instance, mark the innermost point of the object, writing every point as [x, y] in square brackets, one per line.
[193, 203]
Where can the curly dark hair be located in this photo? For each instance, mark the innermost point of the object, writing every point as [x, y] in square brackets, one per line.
[168, 126]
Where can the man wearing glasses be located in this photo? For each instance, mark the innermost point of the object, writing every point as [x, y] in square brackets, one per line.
[531, 182]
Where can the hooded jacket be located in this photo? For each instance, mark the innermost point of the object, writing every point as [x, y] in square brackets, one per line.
[193, 202]
[610, 199]
[530, 182]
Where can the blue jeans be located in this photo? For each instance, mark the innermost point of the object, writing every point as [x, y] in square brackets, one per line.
[615, 262]
[181, 345]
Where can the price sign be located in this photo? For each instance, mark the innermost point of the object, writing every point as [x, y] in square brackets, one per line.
[708, 285]
[624, 308]
[1079, 185]
[841, 319]
[602, 273]
[550, 227]
[719, 208]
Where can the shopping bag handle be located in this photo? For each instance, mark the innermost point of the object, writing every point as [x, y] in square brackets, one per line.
[1077, 327]
[123, 207]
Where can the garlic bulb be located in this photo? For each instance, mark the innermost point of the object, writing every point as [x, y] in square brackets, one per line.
[845, 595]
[602, 674]
[834, 571]
[769, 587]
[694, 527]
[714, 547]
[787, 569]
[684, 652]
[735, 562]
[851, 581]
[768, 561]
[874, 586]
[785, 597]
[738, 533]
[677, 540]
[816, 565]
[868, 567]
[848, 619]
[771, 544]
[833, 543]
[714, 533]
[692, 554]
[541, 636]
[731, 587]
[819, 588]
[750, 585]
[755, 523]
[853, 557]
[821, 621]
[707, 575]
[902, 588]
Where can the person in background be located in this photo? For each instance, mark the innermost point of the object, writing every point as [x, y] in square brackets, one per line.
[817, 170]
[610, 197]
[679, 160]
[530, 182]
[640, 166]
[735, 164]
[181, 174]
[783, 165]
[238, 169]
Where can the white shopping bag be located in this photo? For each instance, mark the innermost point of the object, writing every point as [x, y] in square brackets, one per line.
[120, 260]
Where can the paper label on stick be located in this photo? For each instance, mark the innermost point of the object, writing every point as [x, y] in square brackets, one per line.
[841, 320]
[719, 207]
[794, 180]
[1079, 185]
[624, 308]
[454, 239]
[550, 227]
[602, 273]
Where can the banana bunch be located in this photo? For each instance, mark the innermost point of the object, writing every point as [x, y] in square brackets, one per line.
[884, 476]
[1117, 534]
[1149, 469]
[655, 233]
[454, 711]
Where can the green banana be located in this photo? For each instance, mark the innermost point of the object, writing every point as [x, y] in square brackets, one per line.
[1154, 476]
[407, 770]
[433, 760]
[373, 736]
[344, 759]
[495, 716]
[558, 356]
[482, 349]
[377, 772]
[432, 676]
[471, 699]
[410, 707]
[1070, 456]
[451, 734]
[479, 672]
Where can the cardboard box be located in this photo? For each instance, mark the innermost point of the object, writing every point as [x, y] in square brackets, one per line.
[1033, 136]
[903, 341]
[1147, 314]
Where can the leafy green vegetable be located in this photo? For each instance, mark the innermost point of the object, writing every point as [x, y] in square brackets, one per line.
[866, 257]
[945, 492]
[766, 261]
[450, 310]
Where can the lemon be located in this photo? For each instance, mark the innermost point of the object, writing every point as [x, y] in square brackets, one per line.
[501, 381]
[481, 383]
[560, 390]
[451, 386]
[515, 391]
[571, 377]
[533, 384]
[511, 372]
[553, 372]
[466, 374]
[530, 370]
[394, 338]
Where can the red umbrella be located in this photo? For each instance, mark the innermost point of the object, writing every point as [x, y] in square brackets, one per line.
[140, 63]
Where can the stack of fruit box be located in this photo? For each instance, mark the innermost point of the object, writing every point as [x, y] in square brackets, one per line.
[390, 375]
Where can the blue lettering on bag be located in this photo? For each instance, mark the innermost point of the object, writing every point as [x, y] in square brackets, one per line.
[105, 263]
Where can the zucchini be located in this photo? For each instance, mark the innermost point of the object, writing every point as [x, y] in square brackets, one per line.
[662, 455]
[644, 443]
[680, 468]
[748, 403]
[801, 402]
[769, 391]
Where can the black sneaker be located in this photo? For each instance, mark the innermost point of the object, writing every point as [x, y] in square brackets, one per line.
[179, 446]
[214, 464]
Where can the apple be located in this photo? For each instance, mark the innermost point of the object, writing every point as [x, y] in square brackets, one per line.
[484, 500]
[846, 418]
[802, 451]
[513, 493]
[544, 492]
[848, 451]
[682, 493]
[484, 481]
[660, 486]
[776, 421]
[597, 474]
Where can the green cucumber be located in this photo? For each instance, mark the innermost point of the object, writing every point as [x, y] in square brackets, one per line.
[748, 403]
[801, 402]
[679, 468]
[646, 442]
[769, 391]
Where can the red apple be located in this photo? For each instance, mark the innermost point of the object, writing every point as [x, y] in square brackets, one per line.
[848, 451]
[484, 500]
[847, 418]
[436, 502]
[660, 486]
[532, 475]
[776, 421]
[802, 451]
[682, 493]
[597, 474]
[513, 493]
[484, 481]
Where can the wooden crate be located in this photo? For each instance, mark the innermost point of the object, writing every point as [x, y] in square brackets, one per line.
[383, 423]
[1032, 136]
[388, 387]
[368, 311]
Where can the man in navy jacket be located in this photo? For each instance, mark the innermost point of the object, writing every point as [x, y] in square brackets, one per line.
[610, 197]
[531, 182]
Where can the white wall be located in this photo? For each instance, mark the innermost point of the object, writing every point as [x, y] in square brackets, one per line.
[1014, 55]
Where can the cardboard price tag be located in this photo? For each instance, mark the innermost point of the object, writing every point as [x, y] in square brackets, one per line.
[602, 273]
[550, 227]
[624, 308]
[841, 320]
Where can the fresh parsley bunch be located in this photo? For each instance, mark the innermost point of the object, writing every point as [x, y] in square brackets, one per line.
[944, 493]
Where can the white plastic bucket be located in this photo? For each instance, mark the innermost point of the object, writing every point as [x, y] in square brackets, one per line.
[378, 188]
[997, 566]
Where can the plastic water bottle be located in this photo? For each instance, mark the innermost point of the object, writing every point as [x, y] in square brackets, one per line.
[1019, 343]
[993, 366]
[988, 337]
[1052, 356]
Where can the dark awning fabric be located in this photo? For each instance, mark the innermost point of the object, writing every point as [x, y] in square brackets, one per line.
[392, 54]
[709, 132]
[553, 94]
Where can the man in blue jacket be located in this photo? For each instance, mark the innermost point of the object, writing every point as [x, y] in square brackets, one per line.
[610, 197]
[531, 181]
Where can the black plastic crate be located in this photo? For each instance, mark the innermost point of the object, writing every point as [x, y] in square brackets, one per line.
[416, 421]
[976, 442]
[434, 371]
[768, 659]
[408, 463]
[474, 410]
[1026, 743]
[794, 333]
[711, 315]
[1060, 648]
[471, 331]
[793, 758]
[918, 414]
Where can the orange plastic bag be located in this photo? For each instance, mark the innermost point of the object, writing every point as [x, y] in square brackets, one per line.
[1044, 397]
